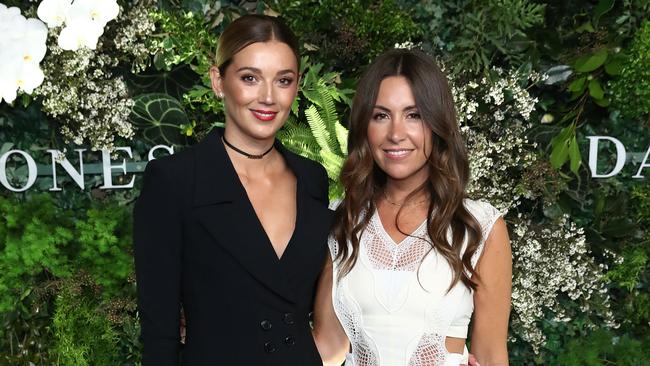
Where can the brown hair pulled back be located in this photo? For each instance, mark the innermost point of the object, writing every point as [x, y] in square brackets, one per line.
[448, 166]
[249, 29]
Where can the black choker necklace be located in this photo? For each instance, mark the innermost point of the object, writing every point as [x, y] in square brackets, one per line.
[250, 156]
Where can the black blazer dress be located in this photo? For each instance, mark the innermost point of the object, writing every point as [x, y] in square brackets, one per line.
[199, 243]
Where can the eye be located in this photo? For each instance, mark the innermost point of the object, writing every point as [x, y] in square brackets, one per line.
[413, 115]
[380, 116]
[285, 81]
[247, 78]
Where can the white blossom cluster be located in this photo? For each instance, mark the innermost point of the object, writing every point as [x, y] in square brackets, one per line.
[504, 94]
[493, 113]
[496, 156]
[83, 91]
[553, 267]
[135, 26]
[22, 47]
[554, 275]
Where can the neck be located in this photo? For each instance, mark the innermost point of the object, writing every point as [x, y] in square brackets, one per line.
[398, 190]
[249, 145]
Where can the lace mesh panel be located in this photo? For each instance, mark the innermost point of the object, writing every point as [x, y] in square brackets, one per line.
[363, 350]
[430, 351]
[486, 215]
[383, 253]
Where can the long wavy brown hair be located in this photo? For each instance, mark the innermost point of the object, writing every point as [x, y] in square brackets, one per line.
[448, 167]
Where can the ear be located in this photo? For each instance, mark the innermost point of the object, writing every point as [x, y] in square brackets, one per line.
[216, 81]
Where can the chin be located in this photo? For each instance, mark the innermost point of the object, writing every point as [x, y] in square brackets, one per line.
[263, 131]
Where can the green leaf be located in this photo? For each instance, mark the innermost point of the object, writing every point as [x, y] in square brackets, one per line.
[574, 155]
[577, 85]
[560, 154]
[560, 146]
[586, 27]
[603, 102]
[591, 62]
[602, 8]
[159, 116]
[595, 89]
[614, 66]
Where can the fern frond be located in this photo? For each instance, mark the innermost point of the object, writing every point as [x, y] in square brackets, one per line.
[318, 127]
[342, 137]
[332, 163]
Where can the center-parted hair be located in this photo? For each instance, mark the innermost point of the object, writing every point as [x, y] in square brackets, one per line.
[448, 167]
[249, 29]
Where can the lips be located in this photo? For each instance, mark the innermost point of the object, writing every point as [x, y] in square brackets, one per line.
[397, 154]
[263, 115]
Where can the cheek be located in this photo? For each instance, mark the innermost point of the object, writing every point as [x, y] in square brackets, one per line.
[236, 95]
[421, 136]
[286, 96]
[374, 135]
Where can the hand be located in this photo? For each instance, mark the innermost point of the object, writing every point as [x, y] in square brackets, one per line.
[473, 361]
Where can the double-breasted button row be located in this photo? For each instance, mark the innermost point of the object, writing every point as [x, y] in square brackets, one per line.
[266, 325]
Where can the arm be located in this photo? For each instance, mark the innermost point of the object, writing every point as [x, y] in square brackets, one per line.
[492, 299]
[330, 338]
[157, 241]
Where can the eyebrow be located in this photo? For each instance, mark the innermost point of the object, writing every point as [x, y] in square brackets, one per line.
[258, 71]
[378, 106]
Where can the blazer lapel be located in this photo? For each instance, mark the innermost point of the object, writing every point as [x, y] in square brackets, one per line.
[308, 244]
[223, 208]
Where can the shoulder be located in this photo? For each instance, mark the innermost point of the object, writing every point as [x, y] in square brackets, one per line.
[488, 218]
[311, 173]
[484, 212]
[170, 174]
[311, 168]
[176, 162]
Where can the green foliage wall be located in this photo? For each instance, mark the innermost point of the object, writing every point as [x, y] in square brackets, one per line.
[531, 80]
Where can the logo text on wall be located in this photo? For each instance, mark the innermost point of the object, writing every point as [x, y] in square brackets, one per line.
[108, 168]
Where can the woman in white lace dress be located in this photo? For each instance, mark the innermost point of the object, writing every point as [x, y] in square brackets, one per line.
[414, 260]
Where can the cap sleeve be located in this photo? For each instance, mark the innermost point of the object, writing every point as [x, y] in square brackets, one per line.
[486, 215]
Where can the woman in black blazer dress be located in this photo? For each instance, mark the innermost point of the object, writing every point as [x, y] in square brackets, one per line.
[206, 237]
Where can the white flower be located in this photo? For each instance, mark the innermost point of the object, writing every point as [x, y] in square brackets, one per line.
[22, 47]
[80, 33]
[99, 11]
[83, 20]
[53, 12]
[547, 118]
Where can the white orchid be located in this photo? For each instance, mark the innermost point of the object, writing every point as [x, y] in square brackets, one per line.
[83, 20]
[53, 12]
[79, 33]
[22, 47]
[99, 11]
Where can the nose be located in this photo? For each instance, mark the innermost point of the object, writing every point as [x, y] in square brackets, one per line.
[266, 94]
[397, 131]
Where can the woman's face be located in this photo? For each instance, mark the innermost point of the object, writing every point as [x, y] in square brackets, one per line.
[399, 139]
[258, 88]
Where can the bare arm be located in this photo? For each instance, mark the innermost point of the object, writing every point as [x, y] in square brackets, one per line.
[492, 299]
[330, 338]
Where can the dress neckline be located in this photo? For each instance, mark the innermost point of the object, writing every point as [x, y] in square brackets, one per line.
[389, 241]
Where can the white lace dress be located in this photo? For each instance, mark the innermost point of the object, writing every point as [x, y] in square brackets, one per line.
[396, 311]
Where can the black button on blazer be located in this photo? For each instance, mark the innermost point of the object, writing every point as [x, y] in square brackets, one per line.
[199, 243]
